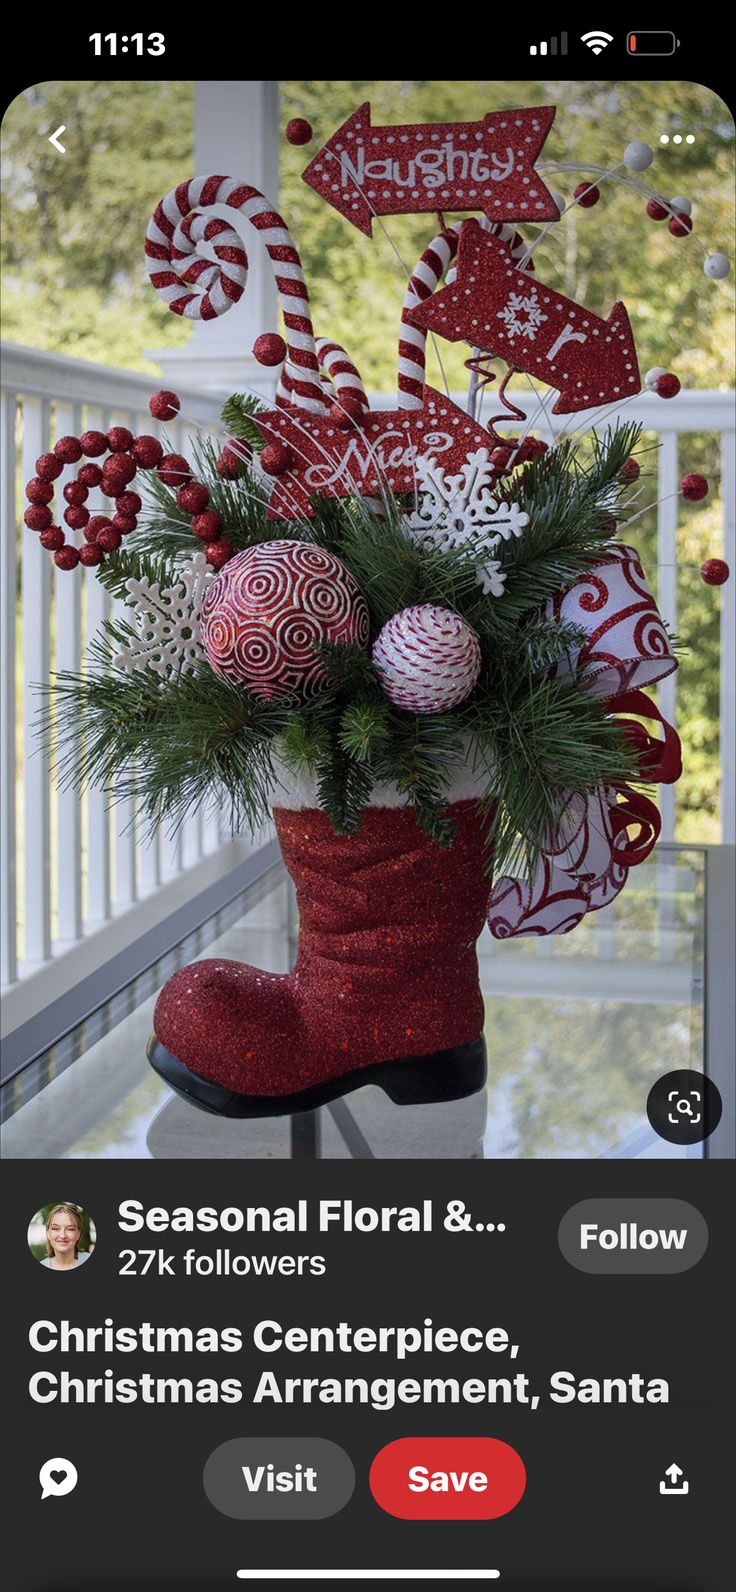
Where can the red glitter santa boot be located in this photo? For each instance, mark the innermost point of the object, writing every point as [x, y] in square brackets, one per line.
[385, 988]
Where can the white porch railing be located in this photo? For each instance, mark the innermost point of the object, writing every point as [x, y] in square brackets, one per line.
[76, 879]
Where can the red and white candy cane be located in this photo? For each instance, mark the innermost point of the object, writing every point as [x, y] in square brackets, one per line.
[342, 373]
[424, 280]
[199, 266]
[340, 377]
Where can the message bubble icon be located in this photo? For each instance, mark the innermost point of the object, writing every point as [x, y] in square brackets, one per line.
[57, 1477]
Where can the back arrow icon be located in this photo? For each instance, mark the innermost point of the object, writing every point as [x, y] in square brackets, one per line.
[54, 139]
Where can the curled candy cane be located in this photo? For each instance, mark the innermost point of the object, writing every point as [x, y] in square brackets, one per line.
[424, 280]
[428, 272]
[199, 266]
[342, 373]
[340, 377]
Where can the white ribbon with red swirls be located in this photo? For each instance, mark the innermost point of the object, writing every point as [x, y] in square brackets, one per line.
[590, 849]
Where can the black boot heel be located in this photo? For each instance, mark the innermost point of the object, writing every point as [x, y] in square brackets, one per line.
[428, 1080]
[451, 1074]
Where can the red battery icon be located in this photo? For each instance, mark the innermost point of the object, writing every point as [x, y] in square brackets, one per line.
[649, 43]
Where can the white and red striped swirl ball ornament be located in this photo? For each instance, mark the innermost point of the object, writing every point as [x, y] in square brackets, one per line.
[428, 659]
[264, 613]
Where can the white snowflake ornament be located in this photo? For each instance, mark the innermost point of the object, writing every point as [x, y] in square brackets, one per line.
[522, 315]
[462, 511]
[167, 621]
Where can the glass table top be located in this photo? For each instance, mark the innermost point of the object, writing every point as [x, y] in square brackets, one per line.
[578, 1028]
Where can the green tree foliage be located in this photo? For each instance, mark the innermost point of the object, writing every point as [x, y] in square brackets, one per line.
[74, 279]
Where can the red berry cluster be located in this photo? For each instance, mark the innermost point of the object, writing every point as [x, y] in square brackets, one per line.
[512, 453]
[668, 385]
[587, 195]
[679, 222]
[231, 464]
[694, 488]
[193, 497]
[102, 533]
[126, 454]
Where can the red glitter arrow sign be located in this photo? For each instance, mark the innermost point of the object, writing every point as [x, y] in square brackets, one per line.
[378, 453]
[488, 165]
[496, 307]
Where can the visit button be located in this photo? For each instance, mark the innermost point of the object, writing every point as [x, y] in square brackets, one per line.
[447, 1478]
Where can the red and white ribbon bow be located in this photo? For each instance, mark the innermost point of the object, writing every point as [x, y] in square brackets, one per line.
[598, 838]
[626, 645]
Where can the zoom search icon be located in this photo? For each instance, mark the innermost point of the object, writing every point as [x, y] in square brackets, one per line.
[684, 1106]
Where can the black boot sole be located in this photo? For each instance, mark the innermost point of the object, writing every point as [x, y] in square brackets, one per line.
[452, 1074]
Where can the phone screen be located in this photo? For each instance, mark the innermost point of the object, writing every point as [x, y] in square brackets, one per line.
[368, 791]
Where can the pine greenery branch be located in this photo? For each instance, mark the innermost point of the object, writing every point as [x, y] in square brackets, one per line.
[421, 759]
[570, 504]
[383, 559]
[349, 666]
[328, 522]
[172, 744]
[237, 417]
[540, 742]
[217, 734]
[305, 741]
[547, 642]
[364, 729]
[128, 563]
[344, 787]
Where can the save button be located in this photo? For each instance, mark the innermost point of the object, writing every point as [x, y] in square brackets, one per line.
[447, 1478]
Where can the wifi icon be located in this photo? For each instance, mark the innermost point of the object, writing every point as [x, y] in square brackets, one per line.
[596, 40]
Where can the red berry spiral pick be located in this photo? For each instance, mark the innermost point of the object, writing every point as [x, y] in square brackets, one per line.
[121, 455]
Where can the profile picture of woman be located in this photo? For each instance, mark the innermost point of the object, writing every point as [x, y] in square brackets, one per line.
[61, 1237]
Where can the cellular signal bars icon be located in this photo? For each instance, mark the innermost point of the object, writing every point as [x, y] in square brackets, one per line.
[553, 46]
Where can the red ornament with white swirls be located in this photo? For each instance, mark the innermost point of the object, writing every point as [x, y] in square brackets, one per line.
[268, 609]
[428, 659]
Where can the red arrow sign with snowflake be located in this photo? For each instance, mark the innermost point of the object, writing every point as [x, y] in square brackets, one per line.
[496, 307]
[367, 171]
[380, 452]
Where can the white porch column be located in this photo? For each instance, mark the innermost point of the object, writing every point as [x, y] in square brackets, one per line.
[236, 135]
